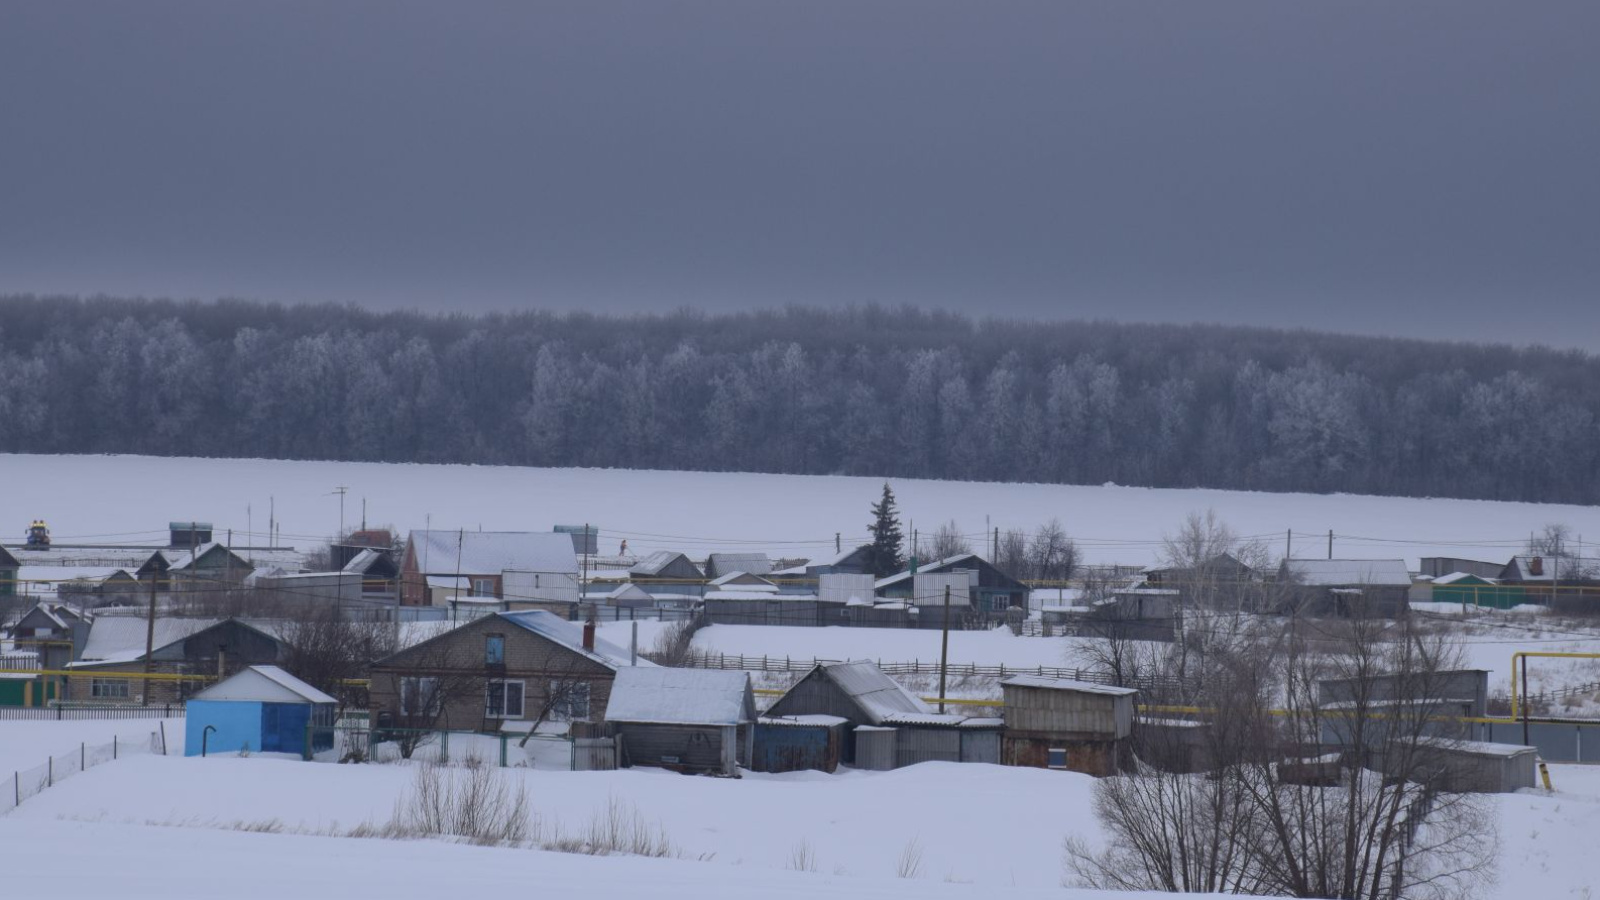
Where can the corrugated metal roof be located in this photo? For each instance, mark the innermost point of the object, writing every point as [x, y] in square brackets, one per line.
[653, 564]
[1354, 572]
[754, 563]
[808, 721]
[664, 696]
[122, 638]
[1068, 684]
[271, 685]
[570, 635]
[493, 552]
[929, 567]
[878, 695]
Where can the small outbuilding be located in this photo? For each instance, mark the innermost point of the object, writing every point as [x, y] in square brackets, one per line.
[857, 692]
[696, 721]
[1059, 723]
[799, 743]
[262, 709]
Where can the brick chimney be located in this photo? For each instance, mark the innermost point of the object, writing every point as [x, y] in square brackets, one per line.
[1536, 566]
[588, 635]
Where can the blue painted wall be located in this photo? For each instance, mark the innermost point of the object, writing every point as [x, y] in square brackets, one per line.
[237, 723]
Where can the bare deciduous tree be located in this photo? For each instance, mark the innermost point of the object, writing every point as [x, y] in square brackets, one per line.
[1325, 748]
[948, 541]
[1052, 555]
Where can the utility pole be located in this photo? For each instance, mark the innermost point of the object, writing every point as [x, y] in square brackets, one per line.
[341, 490]
[1330, 543]
[1288, 545]
[994, 549]
[149, 638]
[272, 521]
[944, 647]
[837, 548]
[584, 581]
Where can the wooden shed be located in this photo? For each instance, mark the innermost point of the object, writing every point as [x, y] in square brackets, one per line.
[857, 692]
[689, 720]
[1059, 723]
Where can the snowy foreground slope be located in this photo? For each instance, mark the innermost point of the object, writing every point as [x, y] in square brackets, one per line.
[165, 827]
[120, 499]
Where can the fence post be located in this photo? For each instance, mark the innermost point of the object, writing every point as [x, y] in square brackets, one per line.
[16, 786]
[502, 750]
[444, 746]
[50, 772]
[83, 756]
[113, 746]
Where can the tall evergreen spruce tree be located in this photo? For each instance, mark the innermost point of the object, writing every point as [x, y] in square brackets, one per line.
[886, 537]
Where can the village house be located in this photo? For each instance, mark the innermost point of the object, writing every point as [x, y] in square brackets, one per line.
[204, 569]
[9, 569]
[369, 576]
[189, 652]
[1345, 587]
[989, 589]
[720, 564]
[504, 669]
[667, 567]
[519, 569]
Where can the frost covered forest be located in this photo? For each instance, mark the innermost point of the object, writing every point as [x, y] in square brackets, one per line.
[867, 391]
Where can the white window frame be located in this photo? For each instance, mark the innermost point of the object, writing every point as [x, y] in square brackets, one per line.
[483, 587]
[567, 708]
[506, 710]
[415, 687]
[110, 689]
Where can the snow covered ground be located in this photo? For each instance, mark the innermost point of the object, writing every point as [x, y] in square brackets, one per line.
[28, 743]
[132, 828]
[697, 512]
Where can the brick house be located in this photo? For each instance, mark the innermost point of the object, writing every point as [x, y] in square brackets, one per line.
[498, 670]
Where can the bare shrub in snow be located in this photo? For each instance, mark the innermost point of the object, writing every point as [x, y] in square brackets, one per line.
[910, 863]
[473, 802]
[802, 858]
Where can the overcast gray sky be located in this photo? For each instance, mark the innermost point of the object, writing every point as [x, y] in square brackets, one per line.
[1424, 168]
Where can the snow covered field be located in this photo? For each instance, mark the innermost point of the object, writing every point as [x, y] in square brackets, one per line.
[130, 499]
[126, 828]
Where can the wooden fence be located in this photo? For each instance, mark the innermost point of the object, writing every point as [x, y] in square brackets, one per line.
[73, 713]
[915, 667]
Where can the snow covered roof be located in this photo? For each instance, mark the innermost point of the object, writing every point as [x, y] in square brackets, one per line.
[754, 563]
[653, 564]
[877, 695]
[747, 580]
[264, 684]
[1068, 684]
[493, 552]
[629, 592]
[1534, 568]
[810, 721]
[1351, 572]
[949, 720]
[122, 638]
[183, 559]
[1461, 578]
[361, 561]
[666, 696]
[747, 593]
[570, 635]
[930, 567]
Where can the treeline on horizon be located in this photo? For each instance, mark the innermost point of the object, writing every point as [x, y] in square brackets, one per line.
[887, 392]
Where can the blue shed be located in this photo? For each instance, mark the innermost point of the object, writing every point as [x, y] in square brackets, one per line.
[263, 709]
